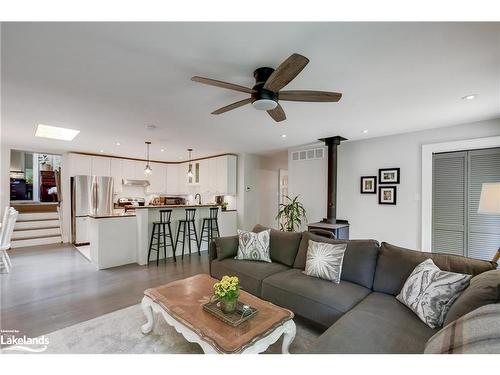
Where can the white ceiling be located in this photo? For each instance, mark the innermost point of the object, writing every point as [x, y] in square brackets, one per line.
[112, 79]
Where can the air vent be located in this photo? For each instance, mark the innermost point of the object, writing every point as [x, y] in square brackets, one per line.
[311, 154]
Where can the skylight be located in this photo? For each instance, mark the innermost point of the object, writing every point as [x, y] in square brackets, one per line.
[54, 132]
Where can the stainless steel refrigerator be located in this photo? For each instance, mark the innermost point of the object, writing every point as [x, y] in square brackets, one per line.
[90, 196]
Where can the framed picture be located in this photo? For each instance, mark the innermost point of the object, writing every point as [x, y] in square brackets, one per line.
[387, 195]
[388, 176]
[369, 185]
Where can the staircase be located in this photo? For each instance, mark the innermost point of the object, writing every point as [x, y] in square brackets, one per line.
[36, 228]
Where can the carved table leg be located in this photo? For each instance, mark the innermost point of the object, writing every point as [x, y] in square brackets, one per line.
[148, 311]
[288, 336]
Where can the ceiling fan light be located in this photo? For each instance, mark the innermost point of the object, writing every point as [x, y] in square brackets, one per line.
[264, 104]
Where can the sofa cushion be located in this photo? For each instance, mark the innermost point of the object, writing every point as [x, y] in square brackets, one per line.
[395, 264]
[226, 247]
[360, 258]
[254, 246]
[324, 260]
[477, 332]
[318, 300]
[429, 292]
[250, 273]
[378, 324]
[484, 289]
[284, 245]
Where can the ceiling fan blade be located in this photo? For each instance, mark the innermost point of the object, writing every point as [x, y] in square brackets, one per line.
[224, 85]
[277, 114]
[288, 70]
[232, 106]
[309, 96]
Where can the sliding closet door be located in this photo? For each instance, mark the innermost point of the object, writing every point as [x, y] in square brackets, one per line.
[449, 191]
[484, 230]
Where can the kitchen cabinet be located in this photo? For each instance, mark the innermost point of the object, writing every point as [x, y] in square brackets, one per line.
[204, 176]
[172, 179]
[226, 175]
[80, 165]
[182, 180]
[101, 166]
[157, 179]
[117, 174]
[82, 231]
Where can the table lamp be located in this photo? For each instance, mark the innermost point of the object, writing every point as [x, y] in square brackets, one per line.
[489, 203]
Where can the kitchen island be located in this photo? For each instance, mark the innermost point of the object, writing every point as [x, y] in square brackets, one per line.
[113, 240]
[146, 215]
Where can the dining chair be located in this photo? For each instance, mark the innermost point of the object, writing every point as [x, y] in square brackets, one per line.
[10, 217]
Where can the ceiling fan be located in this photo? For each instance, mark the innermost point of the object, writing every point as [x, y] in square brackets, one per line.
[266, 94]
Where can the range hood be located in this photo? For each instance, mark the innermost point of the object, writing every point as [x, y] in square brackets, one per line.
[128, 182]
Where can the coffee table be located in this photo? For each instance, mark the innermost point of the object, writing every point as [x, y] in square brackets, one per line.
[180, 304]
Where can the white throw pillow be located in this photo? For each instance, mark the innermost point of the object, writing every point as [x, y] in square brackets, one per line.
[253, 246]
[324, 260]
[430, 292]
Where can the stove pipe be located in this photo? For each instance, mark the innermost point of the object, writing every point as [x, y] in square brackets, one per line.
[331, 210]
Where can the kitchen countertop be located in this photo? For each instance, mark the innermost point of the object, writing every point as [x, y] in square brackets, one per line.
[174, 206]
[111, 216]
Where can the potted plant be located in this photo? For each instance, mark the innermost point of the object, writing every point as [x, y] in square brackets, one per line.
[291, 214]
[227, 292]
[44, 163]
[224, 206]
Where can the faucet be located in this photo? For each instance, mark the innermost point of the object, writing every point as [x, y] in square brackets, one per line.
[199, 197]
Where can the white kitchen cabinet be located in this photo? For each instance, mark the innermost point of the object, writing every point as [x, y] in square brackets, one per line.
[134, 170]
[182, 180]
[157, 179]
[204, 176]
[117, 174]
[226, 175]
[82, 230]
[101, 166]
[172, 179]
[80, 165]
[212, 175]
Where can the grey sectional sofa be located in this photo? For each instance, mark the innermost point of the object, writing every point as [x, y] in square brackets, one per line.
[361, 313]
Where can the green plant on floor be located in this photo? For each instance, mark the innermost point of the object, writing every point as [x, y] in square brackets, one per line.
[291, 214]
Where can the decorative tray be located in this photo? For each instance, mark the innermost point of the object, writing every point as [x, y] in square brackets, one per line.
[240, 315]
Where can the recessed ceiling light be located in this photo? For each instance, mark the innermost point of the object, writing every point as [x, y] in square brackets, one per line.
[162, 150]
[54, 132]
[118, 143]
[283, 135]
[101, 151]
[364, 131]
[469, 97]
[151, 127]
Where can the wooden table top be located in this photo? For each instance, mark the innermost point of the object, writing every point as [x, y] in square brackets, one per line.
[183, 300]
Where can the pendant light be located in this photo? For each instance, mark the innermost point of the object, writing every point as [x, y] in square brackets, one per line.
[147, 170]
[190, 168]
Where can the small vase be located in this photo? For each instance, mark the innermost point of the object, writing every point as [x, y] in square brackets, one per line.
[228, 306]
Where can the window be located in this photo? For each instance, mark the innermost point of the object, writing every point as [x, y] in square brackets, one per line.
[457, 227]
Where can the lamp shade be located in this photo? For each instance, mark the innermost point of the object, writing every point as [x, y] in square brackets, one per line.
[489, 202]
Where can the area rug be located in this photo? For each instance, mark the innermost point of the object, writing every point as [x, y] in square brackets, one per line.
[120, 332]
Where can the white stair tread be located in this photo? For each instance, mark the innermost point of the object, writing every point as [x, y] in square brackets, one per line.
[36, 224]
[37, 232]
[38, 216]
[35, 241]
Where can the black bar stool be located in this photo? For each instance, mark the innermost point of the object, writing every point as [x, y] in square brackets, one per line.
[189, 231]
[159, 233]
[210, 225]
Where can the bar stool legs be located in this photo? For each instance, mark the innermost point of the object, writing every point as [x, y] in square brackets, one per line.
[186, 231]
[159, 233]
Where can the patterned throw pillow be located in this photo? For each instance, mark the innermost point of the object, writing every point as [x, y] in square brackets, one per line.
[324, 260]
[253, 246]
[430, 292]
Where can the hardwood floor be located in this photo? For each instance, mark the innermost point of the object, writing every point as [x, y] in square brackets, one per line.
[53, 286]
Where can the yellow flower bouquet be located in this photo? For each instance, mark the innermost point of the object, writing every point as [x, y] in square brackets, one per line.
[227, 292]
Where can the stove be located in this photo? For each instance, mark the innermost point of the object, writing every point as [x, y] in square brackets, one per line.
[122, 202]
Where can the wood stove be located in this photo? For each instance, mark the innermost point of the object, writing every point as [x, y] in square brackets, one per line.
[338, 228]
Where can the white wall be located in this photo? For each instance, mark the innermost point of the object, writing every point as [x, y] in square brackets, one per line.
[308, 179]
[399, 224]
